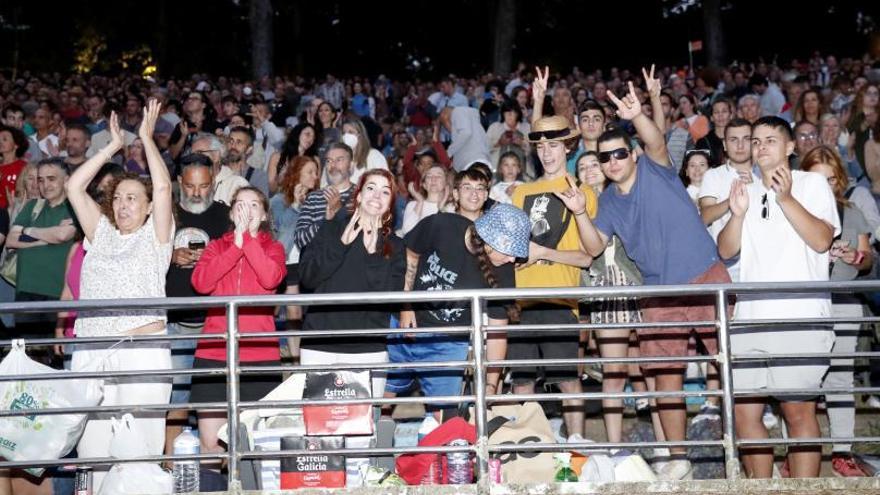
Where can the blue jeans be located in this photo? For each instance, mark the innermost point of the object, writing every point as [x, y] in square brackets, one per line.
[182, 356]
[433, 382]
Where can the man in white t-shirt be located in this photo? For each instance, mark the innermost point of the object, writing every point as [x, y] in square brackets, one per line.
[782, 227]
[715, 189]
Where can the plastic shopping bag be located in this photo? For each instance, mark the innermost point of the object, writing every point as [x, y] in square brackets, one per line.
[41, 437]
[136, 478]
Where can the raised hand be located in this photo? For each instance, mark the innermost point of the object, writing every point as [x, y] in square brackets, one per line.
[148, 123]
[116, 139]
[371, 235]
[651, 84]
[539, 85]
[629, 107]
[781, 183]
[334, 201]
[414, 193]
[573, 198]
[739, 198]
[353, 228]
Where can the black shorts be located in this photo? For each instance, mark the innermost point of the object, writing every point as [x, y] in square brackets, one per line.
[546, 345]
[212, 388]
[292, 274]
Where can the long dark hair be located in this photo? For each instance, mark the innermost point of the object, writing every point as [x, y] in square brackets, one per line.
[290, 148]
[388, 217]
[477, 247]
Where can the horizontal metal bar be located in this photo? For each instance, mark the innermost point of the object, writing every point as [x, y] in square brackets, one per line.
[437, 296]
[549, 363]
[84, 375]
[356, 333]
[104, 461]
[564, 447]
[601, 395]
[262, 370]
[805, 392]
[596, 326]
[113, 409]
[281, 404]
[365, 452]
[806, 441]
[804, 321]
[738, 358]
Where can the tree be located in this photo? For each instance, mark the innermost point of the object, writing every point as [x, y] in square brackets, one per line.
[261, 38]
[505, 34]
[714, 33]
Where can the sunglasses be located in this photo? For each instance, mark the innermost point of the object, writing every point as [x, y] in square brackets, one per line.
[765, 207]
[618, 154]
[538, 135]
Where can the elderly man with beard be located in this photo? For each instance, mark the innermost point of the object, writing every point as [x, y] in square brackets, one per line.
[322, 205]
[200, 220]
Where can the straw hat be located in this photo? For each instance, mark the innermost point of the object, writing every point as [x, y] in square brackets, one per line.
[553, 128]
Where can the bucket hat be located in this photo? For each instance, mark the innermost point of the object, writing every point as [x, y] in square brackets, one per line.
[506, 229]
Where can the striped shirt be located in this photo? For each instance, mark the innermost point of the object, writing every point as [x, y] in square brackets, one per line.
[313, 214]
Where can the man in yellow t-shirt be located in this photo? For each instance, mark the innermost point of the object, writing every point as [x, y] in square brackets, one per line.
[556, 211]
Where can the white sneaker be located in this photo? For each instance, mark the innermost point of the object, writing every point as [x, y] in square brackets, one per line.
[676, 470]
[660, 458]
[873, 402]
[769, 419]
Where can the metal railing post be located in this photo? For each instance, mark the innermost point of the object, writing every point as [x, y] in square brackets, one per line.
[725, 369]
[482, 446]
[234, 484]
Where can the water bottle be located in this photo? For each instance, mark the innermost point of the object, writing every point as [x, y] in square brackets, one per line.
[459, 469]
[433, 474]
[186, 473]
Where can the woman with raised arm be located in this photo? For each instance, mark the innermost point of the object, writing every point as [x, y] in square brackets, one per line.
[128, 245]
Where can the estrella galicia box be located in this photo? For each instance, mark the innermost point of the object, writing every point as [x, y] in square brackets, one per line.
[349, 419]
[314, 470]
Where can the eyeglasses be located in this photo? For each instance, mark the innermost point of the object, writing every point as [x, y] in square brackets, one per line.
[765, 207]
[469, 189]
[618, 154]
[338, 159]
[807, 136]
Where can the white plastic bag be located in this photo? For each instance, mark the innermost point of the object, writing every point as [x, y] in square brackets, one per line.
[127, 442]
[41, 437]
[136, 478]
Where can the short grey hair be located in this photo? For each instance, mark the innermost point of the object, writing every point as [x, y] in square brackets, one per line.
[213, 141]
[750, 96]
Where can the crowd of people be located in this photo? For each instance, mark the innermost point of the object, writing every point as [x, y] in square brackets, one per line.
[122, 186]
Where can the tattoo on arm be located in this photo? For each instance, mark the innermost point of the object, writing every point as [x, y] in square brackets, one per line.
[412, 266]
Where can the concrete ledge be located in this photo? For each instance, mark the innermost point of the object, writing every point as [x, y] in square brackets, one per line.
[813, 486]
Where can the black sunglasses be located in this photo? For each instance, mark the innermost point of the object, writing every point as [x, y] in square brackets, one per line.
[538, 135]
[618, 154]
[765, 207]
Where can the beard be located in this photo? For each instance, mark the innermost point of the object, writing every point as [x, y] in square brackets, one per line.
[234, 156]
[195, 206]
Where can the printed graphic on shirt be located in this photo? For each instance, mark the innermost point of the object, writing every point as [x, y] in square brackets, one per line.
[191, 238]
[548, 216]
[435, 276]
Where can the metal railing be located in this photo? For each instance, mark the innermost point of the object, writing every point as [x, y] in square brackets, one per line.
[479, 364]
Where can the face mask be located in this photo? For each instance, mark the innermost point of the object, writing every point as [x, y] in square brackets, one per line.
[350, 139]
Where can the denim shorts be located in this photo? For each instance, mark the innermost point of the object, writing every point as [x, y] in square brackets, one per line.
[433, 382]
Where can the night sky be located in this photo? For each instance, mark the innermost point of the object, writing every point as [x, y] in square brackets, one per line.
[370, 38]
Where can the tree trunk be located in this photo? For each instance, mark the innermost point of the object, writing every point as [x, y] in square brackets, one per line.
[505, 34]
[714, 44]
[299, 62]
[261, 38]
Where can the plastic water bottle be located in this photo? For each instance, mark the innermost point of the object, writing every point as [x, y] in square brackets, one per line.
[459, 469]
[433, 474]
[186, 473]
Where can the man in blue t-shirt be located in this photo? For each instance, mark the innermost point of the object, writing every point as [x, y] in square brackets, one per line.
[648, 208]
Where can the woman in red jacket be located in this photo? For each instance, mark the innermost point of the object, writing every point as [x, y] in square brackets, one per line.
[245, 261]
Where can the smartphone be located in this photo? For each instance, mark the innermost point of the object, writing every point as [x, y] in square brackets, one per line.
[197, 245]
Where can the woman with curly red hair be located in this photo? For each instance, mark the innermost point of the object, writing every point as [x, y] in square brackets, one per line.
[299, 179]
[356, 251]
